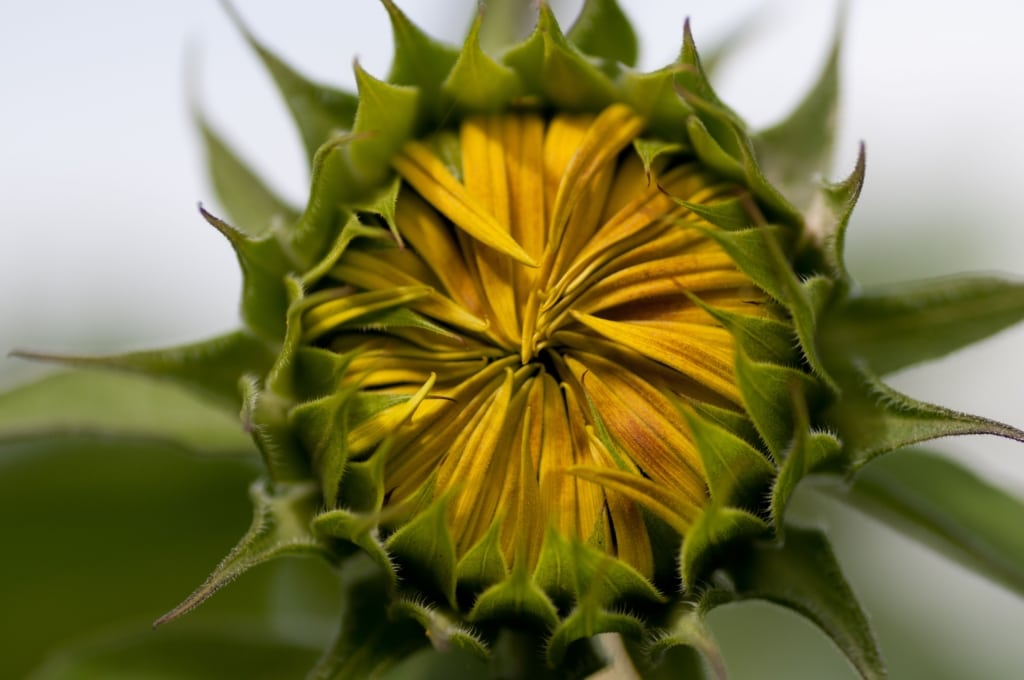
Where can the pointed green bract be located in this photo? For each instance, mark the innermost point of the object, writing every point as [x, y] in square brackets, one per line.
[323, 425]
[830, 223]
[767, 394]
[265, 417]
[873, 419]
[478, 83]
[382, 203]
[762, 338]
[385, 120]
[264, 265]
[280, 526]
[737, 472]
[515, 598]
[484, 564]
[650, 149]
[419, 61]
[653, 96]
[352, 230]
[809, 452]
[584, 622]
[718, 529]
[730, 214]
[425, 544]
[693, 80]
[802, 575]
[551, 67]
[331, 183]
[357, 529]
[749, 250]
[710, 150]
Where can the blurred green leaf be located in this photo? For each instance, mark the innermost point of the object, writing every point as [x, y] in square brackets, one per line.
[431, 664]
[114, 405]
[229, 649]
[949, 508]
[504, 23]
[603, 30]
[797, 149]
[209, 367]
[319, 111]
[762, 641]
[99, 534]
[904, 324]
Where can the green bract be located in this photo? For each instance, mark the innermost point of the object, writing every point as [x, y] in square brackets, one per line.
[550, 347]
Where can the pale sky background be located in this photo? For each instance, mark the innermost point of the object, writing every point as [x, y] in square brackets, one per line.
[100, 169]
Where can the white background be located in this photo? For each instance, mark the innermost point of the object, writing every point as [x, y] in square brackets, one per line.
[101, 246]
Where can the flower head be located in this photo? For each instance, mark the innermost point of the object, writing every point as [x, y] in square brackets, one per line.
[562, 292]
[549, 347]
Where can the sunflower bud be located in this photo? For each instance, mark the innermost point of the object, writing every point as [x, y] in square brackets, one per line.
[551, 345]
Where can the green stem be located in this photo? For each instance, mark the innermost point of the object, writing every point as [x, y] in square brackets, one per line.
[519, 655]
[368, 641]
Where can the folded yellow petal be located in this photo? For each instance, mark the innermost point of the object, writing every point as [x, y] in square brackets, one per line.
[429, 176]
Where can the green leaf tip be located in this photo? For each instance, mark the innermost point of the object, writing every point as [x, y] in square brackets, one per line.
[476, 82]
[426, 546]
[282, 514]
[828, 222]
[385, 120]
[318, 111]
[209, 368]
[264, 264]
[551, 67]
[873, 419]
[419, 61]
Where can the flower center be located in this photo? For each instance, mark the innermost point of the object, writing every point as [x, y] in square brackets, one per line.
[531, 348]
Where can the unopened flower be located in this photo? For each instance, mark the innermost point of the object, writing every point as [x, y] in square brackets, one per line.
[551, 344]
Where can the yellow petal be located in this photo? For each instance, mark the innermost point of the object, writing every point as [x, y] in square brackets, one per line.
[428, 175]
[703, 353]
[644, 422]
